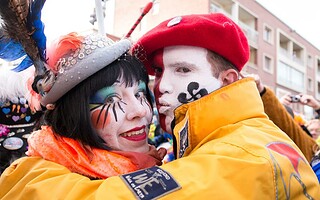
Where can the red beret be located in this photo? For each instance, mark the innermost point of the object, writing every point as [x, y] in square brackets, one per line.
[213, 31]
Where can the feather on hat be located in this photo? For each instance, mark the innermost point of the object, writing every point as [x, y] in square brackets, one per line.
[23, 32]
[73, 58]
[63, 65]
[22, 40]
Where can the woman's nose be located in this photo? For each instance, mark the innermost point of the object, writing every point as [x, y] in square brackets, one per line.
[137, 109]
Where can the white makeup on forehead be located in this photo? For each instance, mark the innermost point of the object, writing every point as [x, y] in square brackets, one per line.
[188, 54]
[196, 59]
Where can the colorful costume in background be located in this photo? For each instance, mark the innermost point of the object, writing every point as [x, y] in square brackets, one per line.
[22, 42]
[17, 121]
[315, 164]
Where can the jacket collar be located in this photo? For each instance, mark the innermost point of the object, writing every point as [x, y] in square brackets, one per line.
[228, 105]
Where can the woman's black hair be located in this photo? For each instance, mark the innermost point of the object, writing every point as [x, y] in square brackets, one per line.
[71, 116]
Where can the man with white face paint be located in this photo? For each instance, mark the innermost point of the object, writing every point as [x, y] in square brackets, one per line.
[181, 63]
[222, 136]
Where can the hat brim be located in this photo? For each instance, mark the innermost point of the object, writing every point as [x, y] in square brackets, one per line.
[94, 62]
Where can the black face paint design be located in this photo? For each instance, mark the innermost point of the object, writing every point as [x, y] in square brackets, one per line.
[106, 114]
[145, 100]
[120, 106]
[192, 87]
[114, 112]
[113, 109]
[116, 104]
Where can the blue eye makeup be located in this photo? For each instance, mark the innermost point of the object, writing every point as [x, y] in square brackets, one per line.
[100, 96]
[142, 86]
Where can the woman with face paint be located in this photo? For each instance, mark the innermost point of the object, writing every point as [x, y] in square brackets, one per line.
[98, 110]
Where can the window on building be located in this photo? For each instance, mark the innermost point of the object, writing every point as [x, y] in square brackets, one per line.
[214, 8]
[267, 34]
[310, 84]
[298, 54]
[308, 112]
[268, 64]
[253, 57]
[318, 67]
[310, 61]
[290, 77]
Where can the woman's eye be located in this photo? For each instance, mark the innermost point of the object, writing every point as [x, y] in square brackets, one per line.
[183, 69]
[112, 99]
[140, 94]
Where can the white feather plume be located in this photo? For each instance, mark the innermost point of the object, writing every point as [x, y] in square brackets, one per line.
[14, 84]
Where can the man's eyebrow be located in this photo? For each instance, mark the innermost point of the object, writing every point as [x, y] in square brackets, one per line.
[176, 64]
[182, 64]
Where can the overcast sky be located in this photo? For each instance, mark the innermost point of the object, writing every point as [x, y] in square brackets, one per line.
[63, 16]
[303, 16]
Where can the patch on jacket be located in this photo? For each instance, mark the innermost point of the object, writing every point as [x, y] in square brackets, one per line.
[184, 139]
[150, 183]
[292, 155]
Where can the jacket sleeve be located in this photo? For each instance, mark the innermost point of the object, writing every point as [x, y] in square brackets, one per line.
[35, 178]
[200, 176]
[279, 115]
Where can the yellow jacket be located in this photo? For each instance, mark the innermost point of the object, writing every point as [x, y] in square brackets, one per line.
[229, 150]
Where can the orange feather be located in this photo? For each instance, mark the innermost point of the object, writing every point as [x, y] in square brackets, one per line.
[61, 47]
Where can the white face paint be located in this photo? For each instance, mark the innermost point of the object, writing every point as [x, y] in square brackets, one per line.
[121, 115]
[183, 74]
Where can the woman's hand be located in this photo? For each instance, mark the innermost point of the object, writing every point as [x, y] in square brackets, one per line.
[157, 154]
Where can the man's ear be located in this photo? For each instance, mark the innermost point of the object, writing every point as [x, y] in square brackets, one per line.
[228, 76]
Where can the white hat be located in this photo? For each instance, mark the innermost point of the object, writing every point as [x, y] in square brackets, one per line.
[92, 53]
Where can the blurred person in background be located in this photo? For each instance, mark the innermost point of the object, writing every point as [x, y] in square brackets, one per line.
[283, 116]
[303, 99]
[313, 126]
[315, 164]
